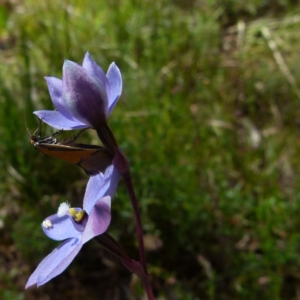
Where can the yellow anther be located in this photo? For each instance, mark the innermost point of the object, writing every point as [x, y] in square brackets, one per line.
[76, 215]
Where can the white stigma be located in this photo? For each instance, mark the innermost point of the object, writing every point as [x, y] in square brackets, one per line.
[47, 224]
[63, 209]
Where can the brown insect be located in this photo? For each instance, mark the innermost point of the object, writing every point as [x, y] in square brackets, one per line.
[91, 158]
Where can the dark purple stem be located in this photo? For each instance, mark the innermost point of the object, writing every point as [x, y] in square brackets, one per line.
[121, 164]
[111, 245]
[138, 221]
[139, 230]
[148, 288]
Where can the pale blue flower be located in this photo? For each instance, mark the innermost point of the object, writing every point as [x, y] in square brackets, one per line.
[76, 226]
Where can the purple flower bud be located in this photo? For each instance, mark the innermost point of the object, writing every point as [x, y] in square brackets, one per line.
[84, 97]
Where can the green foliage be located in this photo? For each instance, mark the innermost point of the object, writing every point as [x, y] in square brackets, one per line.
[209, 119]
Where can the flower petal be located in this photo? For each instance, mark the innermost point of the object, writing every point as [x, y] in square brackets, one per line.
[99, 186]
[61, 228]
[55, 263]
[99, 219]
[84, 96]
[95, 71]
[55, 89]
[115, 79]
[57, 120]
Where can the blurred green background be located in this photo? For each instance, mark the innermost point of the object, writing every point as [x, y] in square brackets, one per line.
[210, 120]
